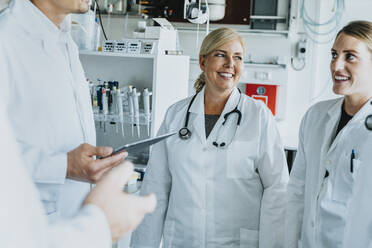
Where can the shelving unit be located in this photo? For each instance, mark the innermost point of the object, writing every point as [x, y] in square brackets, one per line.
[154, 72]
[112, 54]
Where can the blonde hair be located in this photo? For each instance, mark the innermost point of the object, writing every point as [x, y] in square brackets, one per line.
[361, 30]
[211, 42]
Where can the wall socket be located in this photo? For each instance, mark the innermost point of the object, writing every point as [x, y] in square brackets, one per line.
[301, 49]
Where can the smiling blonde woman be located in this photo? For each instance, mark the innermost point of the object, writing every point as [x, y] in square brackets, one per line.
[221, 182]
[329, 194]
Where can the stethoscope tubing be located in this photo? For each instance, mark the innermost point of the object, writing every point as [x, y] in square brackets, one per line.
[185, 133]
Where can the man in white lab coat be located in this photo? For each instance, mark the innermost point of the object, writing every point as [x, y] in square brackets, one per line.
[49, 106]
[107, 212]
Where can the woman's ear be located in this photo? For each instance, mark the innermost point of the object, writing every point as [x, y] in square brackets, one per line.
[202, 59]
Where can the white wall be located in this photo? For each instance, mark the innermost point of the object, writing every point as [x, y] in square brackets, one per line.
[322, 86]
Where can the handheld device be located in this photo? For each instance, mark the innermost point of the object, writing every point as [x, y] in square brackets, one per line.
[139, 145]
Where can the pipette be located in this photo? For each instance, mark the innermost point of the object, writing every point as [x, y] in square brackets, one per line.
[104, 108]
[135, 96]
[113, 108]
[146, 106]
[119, 109]
[131, 110]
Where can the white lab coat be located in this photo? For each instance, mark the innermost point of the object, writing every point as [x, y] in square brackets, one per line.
[48, 105]
[334, 211]
[22, 221]
[213, 197]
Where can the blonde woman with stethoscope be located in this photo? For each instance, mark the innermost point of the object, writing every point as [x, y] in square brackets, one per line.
[221, 181]
[330, 189]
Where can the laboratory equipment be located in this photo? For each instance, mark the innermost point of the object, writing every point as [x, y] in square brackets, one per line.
[135, 96]
[120, 111]
[108, 46]
[134, 47]
[104, 107]
[147, 47]
[131, 108]
[141, 71]
[146, 107]
[121, 46]
[196, 12]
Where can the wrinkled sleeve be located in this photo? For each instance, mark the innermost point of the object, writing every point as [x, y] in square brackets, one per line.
[158, 181]
[89, 228]
[273, 171]
[38, 161]
[22, 222]
[295, 195]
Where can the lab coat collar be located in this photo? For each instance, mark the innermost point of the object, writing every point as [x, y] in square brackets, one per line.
[198, 105]
[363, 112]
[357, 118]
[198, 108]
[334, 114]
[36, 23]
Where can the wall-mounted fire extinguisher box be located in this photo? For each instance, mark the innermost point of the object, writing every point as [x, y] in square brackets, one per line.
[263, 92]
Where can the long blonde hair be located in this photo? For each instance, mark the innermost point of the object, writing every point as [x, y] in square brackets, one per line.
[361, 30]
[211, 42]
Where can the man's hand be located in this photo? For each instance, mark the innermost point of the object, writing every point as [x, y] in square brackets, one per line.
[82, 166]
[123, 212]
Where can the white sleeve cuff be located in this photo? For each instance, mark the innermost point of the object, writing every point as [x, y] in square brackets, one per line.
[89, 228]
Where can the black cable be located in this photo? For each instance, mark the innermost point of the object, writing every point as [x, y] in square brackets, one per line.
[100, 20]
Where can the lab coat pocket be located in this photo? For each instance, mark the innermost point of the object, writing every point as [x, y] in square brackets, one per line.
[240, 159]
[168, 234]
[344, 182]
[248, 238]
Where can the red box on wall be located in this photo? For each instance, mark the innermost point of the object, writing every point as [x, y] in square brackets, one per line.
[263, 92]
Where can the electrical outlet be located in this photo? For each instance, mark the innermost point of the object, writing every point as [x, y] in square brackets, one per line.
[301, 49]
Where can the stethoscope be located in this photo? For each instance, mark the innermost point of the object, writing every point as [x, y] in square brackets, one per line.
[368, 121]
[185, 132]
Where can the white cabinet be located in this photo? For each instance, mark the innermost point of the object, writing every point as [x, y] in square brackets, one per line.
[166, 76]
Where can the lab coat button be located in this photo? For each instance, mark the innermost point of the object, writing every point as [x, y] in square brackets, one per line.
[329, 162]
[204, 149]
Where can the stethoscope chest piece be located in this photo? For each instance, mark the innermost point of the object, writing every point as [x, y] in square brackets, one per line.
[184, 133]
[368, 122]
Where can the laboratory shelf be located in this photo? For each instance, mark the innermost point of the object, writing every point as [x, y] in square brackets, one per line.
[263, 32]
[258, 17]
[256, 81]
[116, 54]
[265, 65]
[252, 64]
